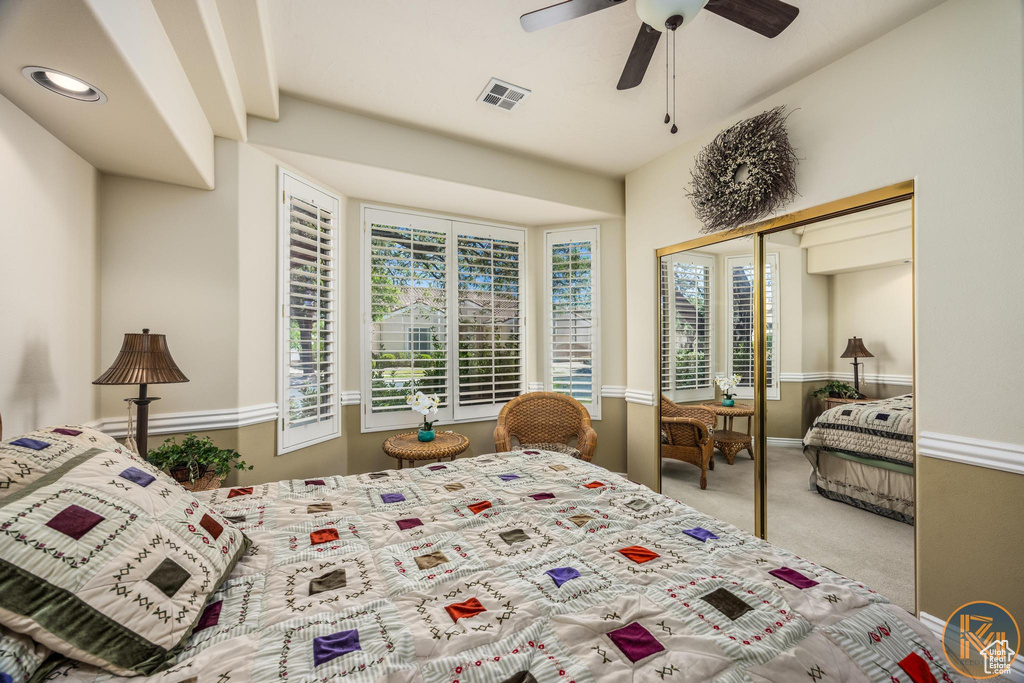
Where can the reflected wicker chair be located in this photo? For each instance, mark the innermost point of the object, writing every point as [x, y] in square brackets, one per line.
[546, 421]
[686, 434]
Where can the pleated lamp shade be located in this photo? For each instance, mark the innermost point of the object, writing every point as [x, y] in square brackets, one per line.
[855, 349]
[144, 359]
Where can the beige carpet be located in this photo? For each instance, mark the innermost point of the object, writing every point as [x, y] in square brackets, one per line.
[875, 550]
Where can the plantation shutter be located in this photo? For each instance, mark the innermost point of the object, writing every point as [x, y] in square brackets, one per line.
[686, 334]
[573, 272]
[408, 263]
[489, 326]
[740, 283]
[309, 381]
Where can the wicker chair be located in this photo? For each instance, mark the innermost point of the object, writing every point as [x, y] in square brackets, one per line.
[547, 421]
[686, 434]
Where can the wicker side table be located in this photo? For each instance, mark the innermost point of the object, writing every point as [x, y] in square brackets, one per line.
[407, 446]
[727, 440]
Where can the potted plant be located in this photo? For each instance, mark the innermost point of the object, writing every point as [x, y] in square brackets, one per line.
[197, 464]
[837, 389]
[424, 405]
[727, 384]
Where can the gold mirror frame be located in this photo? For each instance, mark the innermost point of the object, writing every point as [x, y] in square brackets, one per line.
[860, 202]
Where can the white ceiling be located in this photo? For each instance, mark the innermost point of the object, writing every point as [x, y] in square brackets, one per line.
[424, 64]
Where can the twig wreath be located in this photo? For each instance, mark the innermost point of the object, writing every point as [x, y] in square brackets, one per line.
[747, 172]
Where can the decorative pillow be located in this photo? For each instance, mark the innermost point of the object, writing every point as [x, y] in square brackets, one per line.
[20, 656]
[24, 459]
[106, 560]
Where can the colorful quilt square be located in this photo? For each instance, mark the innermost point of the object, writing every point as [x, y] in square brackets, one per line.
[511, 537]
[169, 576]
[584, 518]
[327, 584]
[317, 539]
[74, 521]
[564, 580]
[137, 476]
[326, 648]
[432, 560]
[237, 612]
[409, 523]
[465, 613]
[210, 616]
[636, 642]
[642, 556]
[34, 444]
[363, 643]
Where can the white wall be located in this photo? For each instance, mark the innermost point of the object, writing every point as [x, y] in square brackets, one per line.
[48, 278]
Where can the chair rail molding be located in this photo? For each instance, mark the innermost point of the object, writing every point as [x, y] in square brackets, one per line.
[613, 391]
[200, 420]
[1008, 457]
[644, 398]
[894, 380]
[787, 442]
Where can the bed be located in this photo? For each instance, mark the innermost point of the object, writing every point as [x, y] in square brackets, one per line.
[863, 454]
[525, 567]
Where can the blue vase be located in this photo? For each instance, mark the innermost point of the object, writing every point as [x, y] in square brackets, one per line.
[728, 402]
[426, 435]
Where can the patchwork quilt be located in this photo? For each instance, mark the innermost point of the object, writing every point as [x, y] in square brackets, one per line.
[876, 430]
[528, 567]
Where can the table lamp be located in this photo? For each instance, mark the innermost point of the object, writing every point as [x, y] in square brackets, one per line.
[855, 349]
[144, 359]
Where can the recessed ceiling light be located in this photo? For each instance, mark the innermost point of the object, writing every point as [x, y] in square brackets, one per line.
[64, 84]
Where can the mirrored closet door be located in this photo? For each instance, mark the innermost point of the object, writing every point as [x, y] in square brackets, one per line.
[706, 334]
[786, 375]
[839, 412]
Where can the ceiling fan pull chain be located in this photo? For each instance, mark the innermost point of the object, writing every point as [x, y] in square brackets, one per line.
[675, 128]
[668, 118]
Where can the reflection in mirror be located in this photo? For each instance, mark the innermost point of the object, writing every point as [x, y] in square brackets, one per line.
[839, 424]
[707, 335]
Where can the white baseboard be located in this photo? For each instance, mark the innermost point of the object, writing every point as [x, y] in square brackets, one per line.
[200, 420]
[785, 441]
[1008, 457]
[936, 626]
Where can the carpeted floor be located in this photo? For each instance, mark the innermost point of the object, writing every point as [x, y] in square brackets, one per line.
[875, 550]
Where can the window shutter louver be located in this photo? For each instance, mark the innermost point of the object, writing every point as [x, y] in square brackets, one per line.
[443, 316]
[489, 276]
[408, 312]
[309, 382]
[687, 354]
[740, 283]
[573, 265]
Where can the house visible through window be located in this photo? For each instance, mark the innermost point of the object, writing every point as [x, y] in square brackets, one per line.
[308, 342]
[573, 277]
[444, 316]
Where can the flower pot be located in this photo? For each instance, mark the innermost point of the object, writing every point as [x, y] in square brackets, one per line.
[728, 402]
[181, 473]
[426, 435]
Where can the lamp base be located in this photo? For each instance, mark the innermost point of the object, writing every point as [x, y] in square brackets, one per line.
[142, 402]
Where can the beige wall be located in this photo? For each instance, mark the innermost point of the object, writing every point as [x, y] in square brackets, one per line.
[877, 306]
[937, 100]
[208, 265]
[48, 278]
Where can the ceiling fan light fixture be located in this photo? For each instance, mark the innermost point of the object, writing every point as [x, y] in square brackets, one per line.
[663, 15]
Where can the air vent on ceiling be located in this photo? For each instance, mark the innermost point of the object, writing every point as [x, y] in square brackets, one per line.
[503, 95]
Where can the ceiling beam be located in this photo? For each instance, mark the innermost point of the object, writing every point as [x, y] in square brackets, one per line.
[247, 27]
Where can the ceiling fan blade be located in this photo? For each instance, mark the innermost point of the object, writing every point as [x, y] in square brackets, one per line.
[639, 58]
[563, 11]
[767, 17]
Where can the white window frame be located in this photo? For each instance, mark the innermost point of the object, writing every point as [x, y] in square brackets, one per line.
[563, 236]
[292, 439]
[701, 393]
[453, 414]
[772, 260]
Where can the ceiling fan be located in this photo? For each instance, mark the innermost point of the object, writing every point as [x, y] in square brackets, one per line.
[767, 17]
